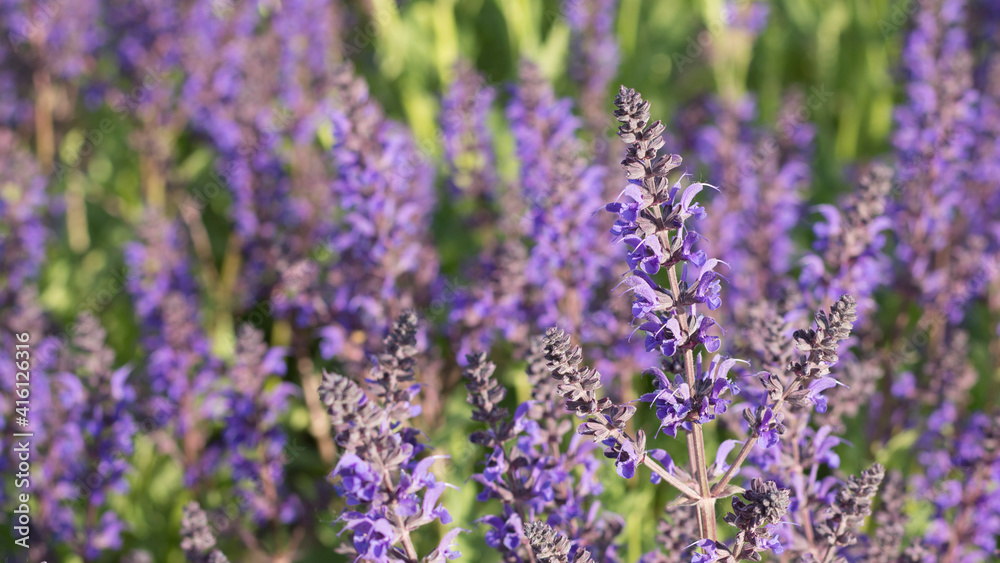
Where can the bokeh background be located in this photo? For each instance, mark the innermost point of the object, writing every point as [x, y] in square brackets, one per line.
[177, 170]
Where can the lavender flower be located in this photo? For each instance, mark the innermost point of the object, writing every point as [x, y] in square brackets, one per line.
[848, 511]
[467, 140]
[592, 24]
[86, 407]
[63, 42]
[254, 440]
[197, 539]
[530, 470]
[551, 547]
[382, 472]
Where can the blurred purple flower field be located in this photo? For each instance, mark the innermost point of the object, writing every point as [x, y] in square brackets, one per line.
[426, 280]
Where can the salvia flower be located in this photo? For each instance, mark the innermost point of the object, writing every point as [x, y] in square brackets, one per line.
[181, 367]
[962, 459]
[549, 546]
[22, 207]
[548, 264]
[820, 344]
[377, 251]
[532, 472]
[764, 506]
[762, 172]
[23, 237]
[592, 24]
[255, 441]
[849, 257]
[86, 405]
[852, 505]
[605, 420]
[935, 145]
[197, 539]
[652, 220]
[383, 472]
[891, 518]
[678, 405]
[467, 140]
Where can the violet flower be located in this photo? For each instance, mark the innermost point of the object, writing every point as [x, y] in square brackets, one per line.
[848, 512]
[180, 367]
[549, 546]
[549, 266]
[763, 171]
[254, 440]
[384, 187]
[86, 406]
[530, 470]
[468, 141]
[961, 459]
[383, 471]
[197, 538]
[849, 254]
[653, 221]
[593, 40]
[934, 141]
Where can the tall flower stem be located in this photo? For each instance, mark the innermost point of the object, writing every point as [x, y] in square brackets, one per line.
[696, 438]
[411, 552]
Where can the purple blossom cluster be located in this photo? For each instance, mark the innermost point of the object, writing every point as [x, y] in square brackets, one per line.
[593, 39]
[537, 478]
[551, 266]
[940, 155]
[763, 175]
[281, 223]
[383, 473]
[652, 221]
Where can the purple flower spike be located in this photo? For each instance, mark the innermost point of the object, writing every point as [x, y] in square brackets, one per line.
[358, 481]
